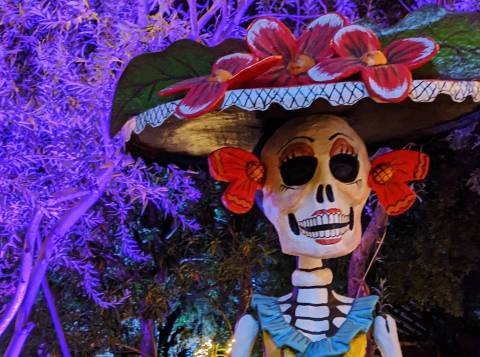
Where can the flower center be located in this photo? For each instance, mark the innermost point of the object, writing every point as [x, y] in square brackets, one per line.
[374, 58]
[300, 64]
[383, 173]
[255, 171]
[220, 75]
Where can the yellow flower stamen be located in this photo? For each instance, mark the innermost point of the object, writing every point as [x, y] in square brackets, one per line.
[300, 64]
[220, 75]
[374, 58]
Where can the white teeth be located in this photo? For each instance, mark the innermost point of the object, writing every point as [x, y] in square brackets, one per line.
[312, 222]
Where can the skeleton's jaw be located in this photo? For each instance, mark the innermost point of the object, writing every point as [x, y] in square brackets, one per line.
[337, 237]
[327, 226]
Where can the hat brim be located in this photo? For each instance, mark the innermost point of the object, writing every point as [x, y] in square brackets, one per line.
[246, 114]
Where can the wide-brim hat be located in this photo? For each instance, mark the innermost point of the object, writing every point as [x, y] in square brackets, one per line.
[443, 90]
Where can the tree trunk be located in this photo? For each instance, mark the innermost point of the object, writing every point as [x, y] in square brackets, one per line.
[246, 293]
[361, 256]
[22, 326]
[25, 272]
[148, 347]
[62, 341]
[164, 333]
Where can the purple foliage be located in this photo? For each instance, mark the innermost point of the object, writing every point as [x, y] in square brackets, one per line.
[455, 5]
[467, 138]
[348, 8]
[58, 66]
[464, 138]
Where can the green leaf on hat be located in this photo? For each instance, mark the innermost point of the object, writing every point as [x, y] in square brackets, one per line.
[148, 73]
[458, 35]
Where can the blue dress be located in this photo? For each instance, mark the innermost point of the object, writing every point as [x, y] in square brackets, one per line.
[280, 336]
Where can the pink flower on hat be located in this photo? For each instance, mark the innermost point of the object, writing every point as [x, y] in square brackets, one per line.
[206, 93]
[386, 73]
[270, 37]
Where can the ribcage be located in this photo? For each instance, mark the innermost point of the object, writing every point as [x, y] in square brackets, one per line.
[317, 312]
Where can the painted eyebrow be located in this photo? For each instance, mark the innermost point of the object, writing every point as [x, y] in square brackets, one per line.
[337, 134]
[295, 138]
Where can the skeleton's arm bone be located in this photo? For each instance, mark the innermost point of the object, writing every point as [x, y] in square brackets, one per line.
[245, 334]
[386, 336]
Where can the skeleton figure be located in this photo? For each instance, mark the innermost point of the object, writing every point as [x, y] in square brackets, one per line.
[314, 193]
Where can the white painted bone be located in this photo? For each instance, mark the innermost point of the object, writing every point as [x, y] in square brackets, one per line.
[386, 336]
[246, 332]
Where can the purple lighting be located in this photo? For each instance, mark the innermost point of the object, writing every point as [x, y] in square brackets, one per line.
[68, 191]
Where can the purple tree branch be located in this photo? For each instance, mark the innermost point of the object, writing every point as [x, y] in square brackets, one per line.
[223, 27]
[62, 341]
[142, 19]
[202, 22]
[194, 30]
[227, 25]
[62, 227]
[297, 22]
[16, 349]
[25, 272]
[360, 257]
[69, 197]
[242, 9]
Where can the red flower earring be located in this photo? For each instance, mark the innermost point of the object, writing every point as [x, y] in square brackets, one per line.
[390, 175]
[244, 172]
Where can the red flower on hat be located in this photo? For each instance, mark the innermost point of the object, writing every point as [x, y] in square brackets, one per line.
[206, 93]
[245, 173]
[270, 37]
[389, 177]
[386, 73]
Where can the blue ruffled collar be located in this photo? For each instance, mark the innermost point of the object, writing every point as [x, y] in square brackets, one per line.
[359, 319]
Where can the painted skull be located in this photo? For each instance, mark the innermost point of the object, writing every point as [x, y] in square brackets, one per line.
[316, 186]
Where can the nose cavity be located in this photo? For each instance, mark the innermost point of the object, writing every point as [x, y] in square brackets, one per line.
[320, 194]
[328, 193]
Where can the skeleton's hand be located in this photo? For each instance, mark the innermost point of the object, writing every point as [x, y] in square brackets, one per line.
[386, 336]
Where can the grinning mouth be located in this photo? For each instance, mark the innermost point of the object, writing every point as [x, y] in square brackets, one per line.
[325, 226]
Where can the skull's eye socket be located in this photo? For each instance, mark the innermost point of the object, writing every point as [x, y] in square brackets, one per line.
[297, 164]
[344, 167]
[298, 171]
